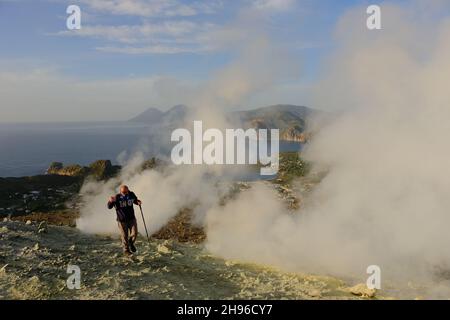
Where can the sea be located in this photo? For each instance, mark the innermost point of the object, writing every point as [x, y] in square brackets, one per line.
[28, 148]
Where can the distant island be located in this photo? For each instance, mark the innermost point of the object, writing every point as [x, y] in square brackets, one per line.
[289, 119]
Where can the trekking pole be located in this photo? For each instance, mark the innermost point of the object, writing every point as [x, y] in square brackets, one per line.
[145, 226]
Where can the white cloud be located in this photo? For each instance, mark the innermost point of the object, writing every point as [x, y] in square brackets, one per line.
[276, 5]
[153, 8]
[155, 49]
[166, 37]
[136, 33]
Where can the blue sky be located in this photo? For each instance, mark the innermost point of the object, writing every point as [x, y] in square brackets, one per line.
[150, 39]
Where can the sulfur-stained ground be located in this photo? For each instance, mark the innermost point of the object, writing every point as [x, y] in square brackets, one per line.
[34, 265]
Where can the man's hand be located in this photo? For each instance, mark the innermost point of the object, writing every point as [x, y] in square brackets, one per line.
[112, 199]
[138, 202]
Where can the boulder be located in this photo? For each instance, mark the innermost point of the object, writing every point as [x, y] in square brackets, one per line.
[362, 290]
[54, 167]
[163, 249]
[314, 293]
[73, 170]
[101, 169]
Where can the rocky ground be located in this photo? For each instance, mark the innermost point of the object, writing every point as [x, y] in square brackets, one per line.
[34, 259]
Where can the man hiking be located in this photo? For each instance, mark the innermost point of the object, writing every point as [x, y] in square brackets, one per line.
[123, 202]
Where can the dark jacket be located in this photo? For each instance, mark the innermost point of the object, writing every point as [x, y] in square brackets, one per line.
[124, 206]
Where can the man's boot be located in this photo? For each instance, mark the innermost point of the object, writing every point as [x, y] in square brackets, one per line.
[131, 245]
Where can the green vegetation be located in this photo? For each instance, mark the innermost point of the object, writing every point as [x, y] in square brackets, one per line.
[102, 169]
[36, 193]
[292, 166]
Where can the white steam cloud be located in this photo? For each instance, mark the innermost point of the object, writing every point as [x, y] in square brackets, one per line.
[385, 200]
[163, 193]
